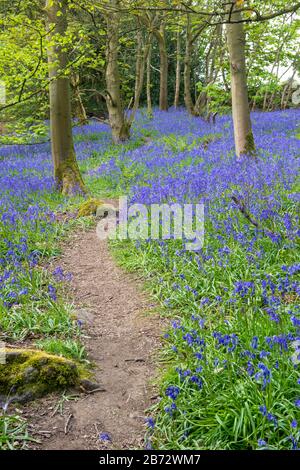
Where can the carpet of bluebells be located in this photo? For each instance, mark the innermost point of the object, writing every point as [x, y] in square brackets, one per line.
[232, 353]
[32, 221]
[233, 350]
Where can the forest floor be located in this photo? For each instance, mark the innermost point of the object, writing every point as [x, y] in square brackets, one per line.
[120, 338]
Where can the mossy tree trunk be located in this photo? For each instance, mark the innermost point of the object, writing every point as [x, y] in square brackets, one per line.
[66, 172]
[244, 141]
[120, 126]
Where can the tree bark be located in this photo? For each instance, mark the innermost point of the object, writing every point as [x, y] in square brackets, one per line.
[163, 56]
[178, 71]
[159, 34]
[188, 100]
[79, 109]
[66, 172]
[138, 63]
[148, 84]
[202, 105]
[142, 56]
[244, 141]
[120, 127]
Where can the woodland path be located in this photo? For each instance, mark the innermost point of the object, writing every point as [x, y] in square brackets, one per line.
[121, 336]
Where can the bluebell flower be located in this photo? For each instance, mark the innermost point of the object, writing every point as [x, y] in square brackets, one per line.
[171, 409]
[264, 374]
[172, 391]
[273, 315]
[148, 445]
[250, 368]
[263, 410]
[197, 380]
[104, 437]
[150, 423]
[295, 321]
[264, 354]
[199, 355]
[244, 288]
[294, 442]
[254, 342]
[261, 443]
[52, 292]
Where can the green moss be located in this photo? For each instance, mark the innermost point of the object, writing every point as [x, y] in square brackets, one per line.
[31, 373]
[68, 177]
[89, 207]
[250, 144]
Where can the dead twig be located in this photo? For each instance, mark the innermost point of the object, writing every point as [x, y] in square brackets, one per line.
[137, 359]
[68, 423]
[244, 211]
[100, 389]
[242, 207]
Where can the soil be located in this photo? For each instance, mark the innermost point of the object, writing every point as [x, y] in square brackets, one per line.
[121, 335]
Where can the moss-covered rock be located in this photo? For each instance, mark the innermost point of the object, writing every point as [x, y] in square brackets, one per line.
[89, 207]
[29, 373]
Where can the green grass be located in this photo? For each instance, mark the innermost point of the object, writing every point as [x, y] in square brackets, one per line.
[69, 348]
[224, 414]
[13, 432]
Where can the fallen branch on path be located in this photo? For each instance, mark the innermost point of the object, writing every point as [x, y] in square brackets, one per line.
[68, 423]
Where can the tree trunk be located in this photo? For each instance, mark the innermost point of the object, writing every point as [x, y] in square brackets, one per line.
[163, 89]
[200, 108]
[188, 100]
[66, 172]
[244, 141]
[120, 127]
[178, 72]
[138, 63]
[79, 109]
[202, 105]
[142, 56]
[148, 85]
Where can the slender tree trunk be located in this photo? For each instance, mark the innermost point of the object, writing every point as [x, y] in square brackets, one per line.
[202, 105]
[148, 84]
[66, 172]
[163, 89]
[159, 34]
[188, 100]
[79, 109]
[280, 46]
[178, 71]
[244, 141]
[143, 52]
[120, 127]
[138, 63]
